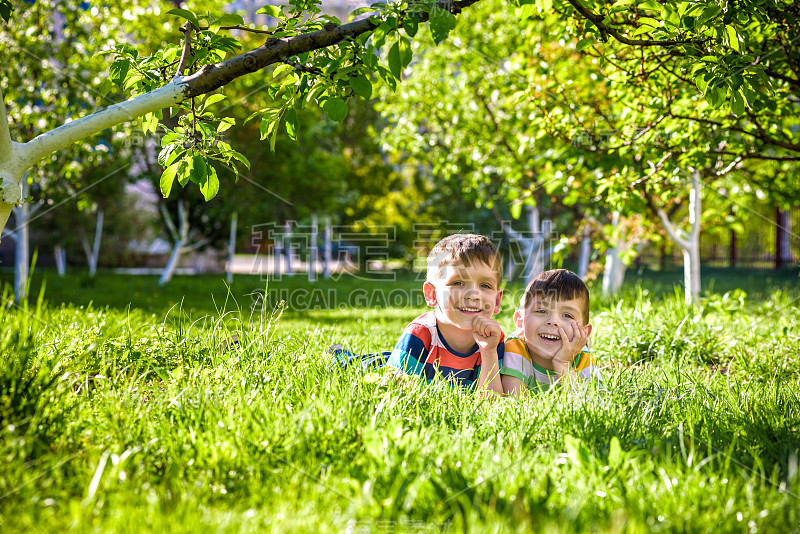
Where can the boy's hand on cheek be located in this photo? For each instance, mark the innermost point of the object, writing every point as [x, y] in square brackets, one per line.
[486, 332]
[573, 339]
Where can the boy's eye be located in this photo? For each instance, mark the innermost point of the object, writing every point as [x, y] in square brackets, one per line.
[568, 316]
[541, 311]
[486, 286]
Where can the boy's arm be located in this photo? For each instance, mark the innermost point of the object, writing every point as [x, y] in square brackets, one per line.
[411, 351]
[487, 334]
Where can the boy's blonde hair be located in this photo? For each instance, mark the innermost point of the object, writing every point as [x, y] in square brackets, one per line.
[464, 249]
[559, 284]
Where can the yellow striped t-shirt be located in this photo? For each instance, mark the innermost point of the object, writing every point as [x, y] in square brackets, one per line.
[517, 362]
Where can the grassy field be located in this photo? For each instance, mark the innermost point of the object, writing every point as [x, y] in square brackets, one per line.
[119, 412]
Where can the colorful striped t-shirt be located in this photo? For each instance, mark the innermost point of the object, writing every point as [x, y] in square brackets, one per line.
[422, 350]
[517, 362]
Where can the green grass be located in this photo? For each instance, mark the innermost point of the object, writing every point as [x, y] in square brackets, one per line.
[119, 412]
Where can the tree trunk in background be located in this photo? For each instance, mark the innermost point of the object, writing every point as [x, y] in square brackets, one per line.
[689, 242]
[782, 243]
[326, 272]
[232, 247]
[535, 251]
[22, 251]
[61, 260]
[98, 235]
[313, 251]
[287, 246]
[586, 252]
[733, 251]
[614, 268]
[178, 247]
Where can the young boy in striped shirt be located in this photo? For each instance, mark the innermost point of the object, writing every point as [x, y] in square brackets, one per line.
[457, 341]
[549, 345]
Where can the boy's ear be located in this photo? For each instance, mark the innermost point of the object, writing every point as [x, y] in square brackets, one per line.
[588, 329]
[518, 319]
[497, 301]
[429, 290]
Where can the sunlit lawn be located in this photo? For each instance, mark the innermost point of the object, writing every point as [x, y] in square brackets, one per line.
[125, 414]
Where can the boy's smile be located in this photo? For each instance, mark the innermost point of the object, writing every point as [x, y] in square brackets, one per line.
[540, 325]
[461, 294]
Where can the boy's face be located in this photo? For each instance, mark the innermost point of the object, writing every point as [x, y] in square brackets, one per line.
[541, 321]
[463, 292]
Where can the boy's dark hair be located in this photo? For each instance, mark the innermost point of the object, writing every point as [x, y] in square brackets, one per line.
[464, 249]
[560, 284]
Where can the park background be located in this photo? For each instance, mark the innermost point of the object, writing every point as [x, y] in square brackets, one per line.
[121, 408]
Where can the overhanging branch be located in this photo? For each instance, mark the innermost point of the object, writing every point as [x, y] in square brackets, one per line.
[606, 30]
[207, 79]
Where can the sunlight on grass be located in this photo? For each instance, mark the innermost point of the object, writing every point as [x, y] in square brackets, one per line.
[119, 419]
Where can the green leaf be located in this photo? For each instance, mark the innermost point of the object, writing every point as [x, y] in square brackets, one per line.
[336, 108]
[225, 124]
[737, 103]
[394, 61]
[119, 70]
[584, 43]
[149, 123]
[290, 122]
[229, 19]
[6, 9]
[198, 170]
[184, 168]
[210, 187]
[651, 5]
[272, 11]
[405, 52]
[411, 25]
[186, 14]
[361, 86]
[733, 37]
[240, 158]
[441, 22]
[547, 5]
[709, 13]
[168, 178]
[211, 100]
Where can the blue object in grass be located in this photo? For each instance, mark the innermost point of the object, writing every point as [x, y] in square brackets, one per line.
[346, 358]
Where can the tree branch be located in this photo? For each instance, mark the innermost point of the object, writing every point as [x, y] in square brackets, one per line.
[187, 49]
[207, 79]
[606, 30]
[755, 156]
[173, 232]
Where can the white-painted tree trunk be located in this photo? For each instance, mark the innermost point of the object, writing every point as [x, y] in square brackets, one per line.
[689, 242]
[61, 260]
[287, 246]
[614, 268]
[586, 252]
[534, 248]
[326, 271]
[232, 246]
[313, 251]
[22, 250]
[98, 236]
[181, 238]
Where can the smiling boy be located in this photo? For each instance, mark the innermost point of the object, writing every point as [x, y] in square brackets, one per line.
[457, 341]
[552, 331]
